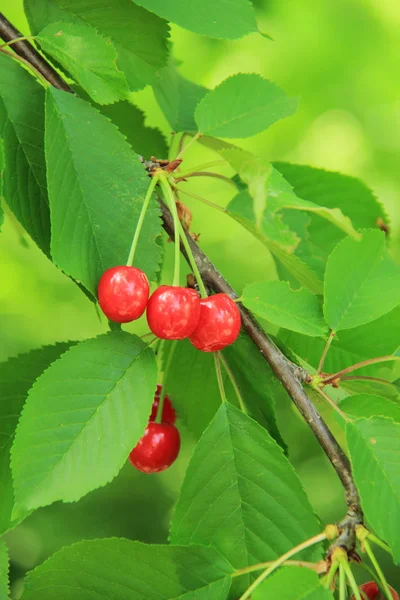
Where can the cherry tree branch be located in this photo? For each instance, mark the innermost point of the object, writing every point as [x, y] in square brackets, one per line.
[290, 375]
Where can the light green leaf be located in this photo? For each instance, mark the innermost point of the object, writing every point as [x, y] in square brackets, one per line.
[297, 310]
[375, 456]
[130, 120]
[241, 106]
[177, 98]
[1, 179]
[293, 583]
[370, 405]
[241, 496]
[139, 37]
[4, 568]
[333, 190]
[225, 19]
[362, 282]
[118, 568]
[88, 57]
[257, 383]
[14, 389]
[198, 407]
[22, 130]
[81, 419]
[96, 188]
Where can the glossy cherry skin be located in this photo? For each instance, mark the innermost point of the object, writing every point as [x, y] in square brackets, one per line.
[372, 592]
[219, 323]
[157, 449]
[173, 312]
[123, 293]
[168, 413]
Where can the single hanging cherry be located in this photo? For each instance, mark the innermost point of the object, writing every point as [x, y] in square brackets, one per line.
[123, 293]
[157, 449]
[372, 591]
[219, 323]
[173, 312]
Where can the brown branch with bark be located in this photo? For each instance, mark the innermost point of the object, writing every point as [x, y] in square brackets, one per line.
[290, 375]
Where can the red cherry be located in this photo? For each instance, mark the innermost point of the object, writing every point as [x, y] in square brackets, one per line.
[219, 323]
[168, 413]
[173, 312]
[157, 449]
[371, 591]
[123, 293]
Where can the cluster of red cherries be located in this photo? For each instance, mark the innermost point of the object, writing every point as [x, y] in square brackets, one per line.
[173, 312]
[159, 447]
[371, 591]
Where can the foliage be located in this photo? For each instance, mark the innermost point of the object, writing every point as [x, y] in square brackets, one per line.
[75, 176]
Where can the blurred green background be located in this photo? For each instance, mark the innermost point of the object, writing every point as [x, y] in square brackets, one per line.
[342, 59]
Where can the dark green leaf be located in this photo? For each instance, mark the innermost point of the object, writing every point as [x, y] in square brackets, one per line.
[370, 405]
[333, 190]
[139, 37]
[375, 456]
[81, 419]
[17, 375]
[122, 569]
[226, 19]
[22, 130]
[241, 495]
[96, 189]
[130, 120]
[88, 57]
[4, 568]
[257, 384]
[189, 366]
[362, 282]
[177, 98]
[276, 302]
[293, 583]
[241, 106]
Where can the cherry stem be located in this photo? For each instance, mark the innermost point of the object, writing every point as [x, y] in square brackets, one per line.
[160, 354]
[25, 62]
[177, 225]
[288, 563]
[331, 575]
[342, 583]
[194, 139]
[219, 376]
[277, 563]
[373, 575]
[379, 542]
[196, 197]
[377, 568]
[325, 352]
[19, 39]
[364, 363]
[140, 222]
[350, 578]
[332, 403]
[203, 167]
[233, 382]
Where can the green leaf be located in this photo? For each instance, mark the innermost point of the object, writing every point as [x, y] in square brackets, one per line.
[198, 407]
[1, 179]
[96, 189]
[370, 405]
[130, 120]
[4, 568]
[375, 456]
[22, 130]
[241, 496]
[118, 568]
[82, 417]
[88, 57]
[139, 37]
[362, 282]
[293, 583]
[177, 98]
[226, 19]
[241, 106]
[333, 190]
[348, 347]
[258, 385]
[297, 310]
[14, 389]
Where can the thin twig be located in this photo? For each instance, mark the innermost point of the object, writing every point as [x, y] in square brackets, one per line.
[364, 363]
[207, 174]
